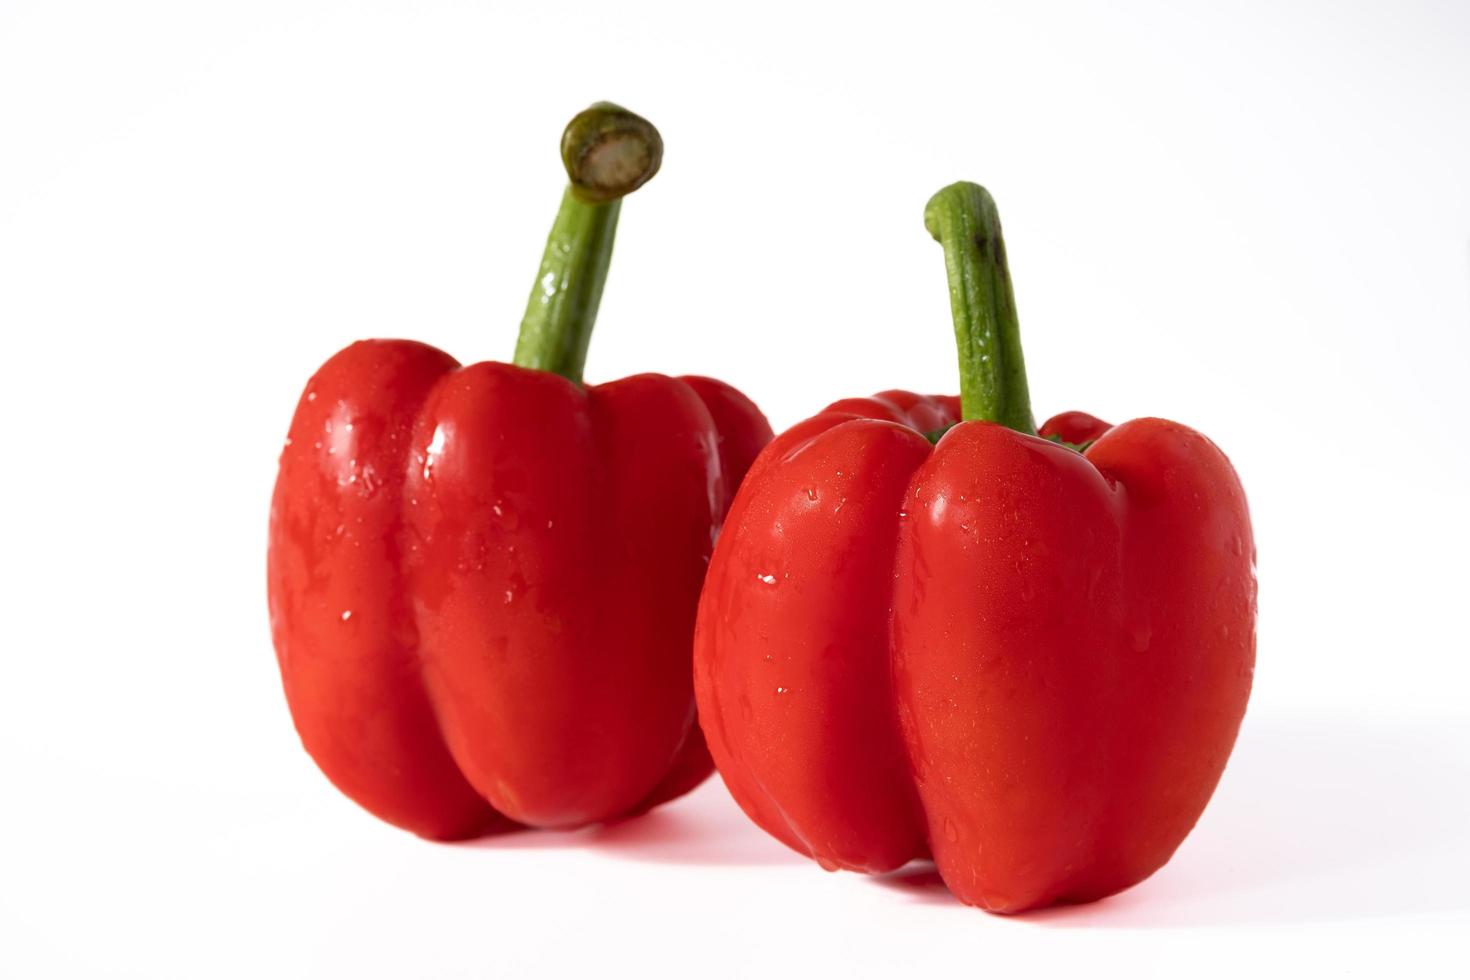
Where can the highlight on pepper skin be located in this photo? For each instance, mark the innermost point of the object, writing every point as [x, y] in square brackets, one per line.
[930, 630]
[483, 578]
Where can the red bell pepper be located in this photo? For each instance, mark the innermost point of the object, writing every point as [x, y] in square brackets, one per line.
[483, 579]
[1025, 658]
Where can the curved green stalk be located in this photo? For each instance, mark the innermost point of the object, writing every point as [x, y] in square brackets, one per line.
[962, 217]
[609, 152]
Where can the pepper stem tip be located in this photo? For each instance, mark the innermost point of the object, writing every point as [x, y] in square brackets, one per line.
[609, 152]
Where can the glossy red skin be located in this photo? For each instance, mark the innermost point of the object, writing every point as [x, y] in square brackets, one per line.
[1029, 662]
[483, 583]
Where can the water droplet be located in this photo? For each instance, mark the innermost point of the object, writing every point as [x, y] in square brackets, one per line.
[550, 524]
[346, 615]
[311, 396]
[951, 832]
[782, 690]
[903, 515]
[509, 597]
[1237, 546]
[811, 493]
[498, 511]
[768, 579]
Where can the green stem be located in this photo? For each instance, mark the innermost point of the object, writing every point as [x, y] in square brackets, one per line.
[563, 306]
[962, 218]
[609, 153]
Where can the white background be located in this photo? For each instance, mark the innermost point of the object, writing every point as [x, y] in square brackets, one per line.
[1254, 219]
